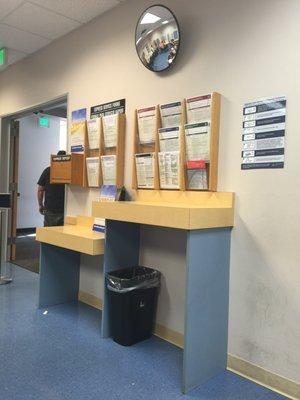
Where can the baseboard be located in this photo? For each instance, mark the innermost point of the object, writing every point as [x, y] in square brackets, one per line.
[235, 364]
[90, 299]
[277, 383]
[169, 335]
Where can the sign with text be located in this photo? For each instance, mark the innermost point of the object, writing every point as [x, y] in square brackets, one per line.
[114, 107]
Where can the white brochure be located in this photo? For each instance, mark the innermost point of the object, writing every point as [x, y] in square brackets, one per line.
[169, 139]
[197, 179]
[171, 114]
[198, 108]
[109, 169]
[197, 139]
[110, 130]
[169, 170]
[146, 118]
[145, 170]
[93, 129]
[92, 166]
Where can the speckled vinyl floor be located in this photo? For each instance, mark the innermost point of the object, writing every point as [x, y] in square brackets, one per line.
[60, 356]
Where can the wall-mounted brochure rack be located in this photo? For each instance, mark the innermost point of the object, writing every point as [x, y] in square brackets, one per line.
[112, 150]
[145, 150]
[176, 145]
[201, 133]
[67, 169]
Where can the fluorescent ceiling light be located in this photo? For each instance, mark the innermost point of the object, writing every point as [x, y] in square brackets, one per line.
[150, 32]
[138, 40]
[165, 22]
[149, 18]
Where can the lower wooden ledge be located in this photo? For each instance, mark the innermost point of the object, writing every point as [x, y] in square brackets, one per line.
[263, 377]
[235, 364]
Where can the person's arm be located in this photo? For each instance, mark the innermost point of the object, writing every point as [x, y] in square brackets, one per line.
[40, 197]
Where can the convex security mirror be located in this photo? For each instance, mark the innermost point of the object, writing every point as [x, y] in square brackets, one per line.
[157, 38]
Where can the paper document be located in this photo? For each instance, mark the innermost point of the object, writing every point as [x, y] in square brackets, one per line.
[197, 179]
[171, 114]
[169, 170]
[109, 169]
[110, 130]
[78, 128]
[146, 118]
[198, 108]
[145, 170]
[197, 139]
[92, 166]
[169, 139]
[93, 128]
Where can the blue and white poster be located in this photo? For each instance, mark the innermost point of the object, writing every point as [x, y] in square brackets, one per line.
[78, 130]
[263, 137]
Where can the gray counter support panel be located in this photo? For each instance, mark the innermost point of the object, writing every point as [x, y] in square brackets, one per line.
[206, 310]
[59, 275]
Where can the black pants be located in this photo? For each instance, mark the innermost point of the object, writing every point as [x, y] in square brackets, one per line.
[53, 219]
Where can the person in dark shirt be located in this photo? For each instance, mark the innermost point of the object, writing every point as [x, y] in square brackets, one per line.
[51, 198]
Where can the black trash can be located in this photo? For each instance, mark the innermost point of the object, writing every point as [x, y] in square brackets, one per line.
[132, 298]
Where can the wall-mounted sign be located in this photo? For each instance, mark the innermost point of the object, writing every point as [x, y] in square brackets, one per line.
[2, 56]
[114, 107]
[78, 129]
[264, 134]
[44, 122]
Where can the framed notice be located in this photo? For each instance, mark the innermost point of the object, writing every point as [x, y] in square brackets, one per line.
[263, 136]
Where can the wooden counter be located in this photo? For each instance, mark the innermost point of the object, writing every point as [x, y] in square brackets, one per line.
[73, 237]
[191, 211]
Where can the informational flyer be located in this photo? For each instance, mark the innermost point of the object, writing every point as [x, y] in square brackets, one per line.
[197, 179]
[263, 137]
[146, 118]
[169, 169]
[93, 128]
[92, 166]
[197, 140]
[198, 108]
[108, 193]
[171, 114]
[169, 139]
[109, 169]
[145, 170]
[78, 130]
[110, 130]
[99, 225]
[113, 107]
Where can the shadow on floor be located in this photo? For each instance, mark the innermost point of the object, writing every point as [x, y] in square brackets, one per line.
[27, 250]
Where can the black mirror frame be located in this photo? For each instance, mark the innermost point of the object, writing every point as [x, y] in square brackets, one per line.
[179, 34]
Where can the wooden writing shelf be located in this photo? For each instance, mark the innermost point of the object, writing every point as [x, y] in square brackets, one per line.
[78, 237]
[203, 210]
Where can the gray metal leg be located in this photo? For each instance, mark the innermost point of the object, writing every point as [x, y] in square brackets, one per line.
[59, 275]
[122, 246]
[206, 310]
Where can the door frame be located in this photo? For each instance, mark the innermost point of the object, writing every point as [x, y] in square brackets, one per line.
[7, 166]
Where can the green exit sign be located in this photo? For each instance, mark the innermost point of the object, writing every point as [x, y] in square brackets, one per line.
[44, 122]
[2, 56]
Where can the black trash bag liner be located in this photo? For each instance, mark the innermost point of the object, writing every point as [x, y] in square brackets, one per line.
[125, 280]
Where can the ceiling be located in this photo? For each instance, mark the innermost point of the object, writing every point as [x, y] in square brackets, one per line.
[27, 26]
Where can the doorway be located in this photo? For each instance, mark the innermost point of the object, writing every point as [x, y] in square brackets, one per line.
[33, 136]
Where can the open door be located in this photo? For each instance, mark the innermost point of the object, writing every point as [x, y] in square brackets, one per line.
[13, 185]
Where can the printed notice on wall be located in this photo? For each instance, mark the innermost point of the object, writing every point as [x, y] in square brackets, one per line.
[78, 128]
[264, 134]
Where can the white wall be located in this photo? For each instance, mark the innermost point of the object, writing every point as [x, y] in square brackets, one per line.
[35, 146]
[244, 50]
